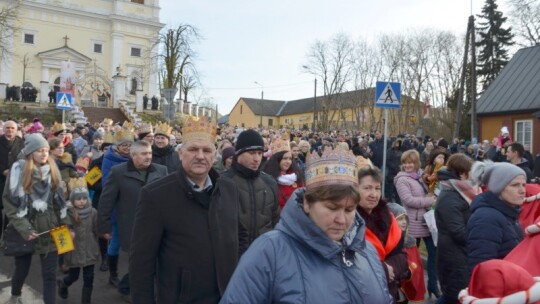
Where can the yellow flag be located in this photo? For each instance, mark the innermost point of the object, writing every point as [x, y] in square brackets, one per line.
[62, 239]
[93, 176]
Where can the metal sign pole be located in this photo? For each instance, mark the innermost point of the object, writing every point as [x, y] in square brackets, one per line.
[385, 136]
[63, 116]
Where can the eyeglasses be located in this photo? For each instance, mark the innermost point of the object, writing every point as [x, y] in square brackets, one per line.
[125, 145]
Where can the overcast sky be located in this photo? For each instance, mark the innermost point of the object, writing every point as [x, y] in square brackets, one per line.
[267, 41]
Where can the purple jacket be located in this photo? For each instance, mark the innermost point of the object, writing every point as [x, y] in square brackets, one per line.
[413, 196]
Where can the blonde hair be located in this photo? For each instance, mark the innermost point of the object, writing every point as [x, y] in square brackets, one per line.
[28, 171]
[411, 156]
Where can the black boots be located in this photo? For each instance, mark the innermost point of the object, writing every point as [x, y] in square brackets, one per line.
[113, 270]
[62, 289]
[104, 264]
[86, 295]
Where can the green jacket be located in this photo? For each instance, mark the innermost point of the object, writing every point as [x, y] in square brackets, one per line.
[35, 221]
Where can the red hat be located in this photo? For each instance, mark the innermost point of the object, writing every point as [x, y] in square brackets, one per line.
[526, 253]
[499, 281]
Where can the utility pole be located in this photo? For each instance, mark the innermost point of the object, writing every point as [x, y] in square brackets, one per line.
[314, 128]
[262, 103]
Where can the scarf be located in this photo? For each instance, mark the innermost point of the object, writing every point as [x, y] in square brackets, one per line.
[84, 212]
[416, 176]
[40, 193]
[287, 179]
[463, 187]
[245, 172]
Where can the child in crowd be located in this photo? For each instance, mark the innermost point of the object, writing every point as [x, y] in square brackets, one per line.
[86, 253]
[413, 289]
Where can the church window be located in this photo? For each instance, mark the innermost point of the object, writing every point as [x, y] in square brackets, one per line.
[135, 52]
[29, 38]
[98, 48]
[138, 1]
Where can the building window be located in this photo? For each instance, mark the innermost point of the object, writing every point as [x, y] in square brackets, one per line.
[29, 38]
[138, 1]
[135, 52]
[270, 122]
[98, 48]
[241, 108]
[524, 132]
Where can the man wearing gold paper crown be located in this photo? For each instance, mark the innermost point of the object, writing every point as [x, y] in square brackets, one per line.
[121, 193]
[186, 228]
[163, 152]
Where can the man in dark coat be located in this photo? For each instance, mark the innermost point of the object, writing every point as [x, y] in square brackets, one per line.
[121, 192]
[145, 101]
[377, 149]
[186, 230]
[155, 103]
[163, 152]
[10, 147]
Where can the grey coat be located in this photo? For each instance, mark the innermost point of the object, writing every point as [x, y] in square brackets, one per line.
[121, 192]
[86, 242]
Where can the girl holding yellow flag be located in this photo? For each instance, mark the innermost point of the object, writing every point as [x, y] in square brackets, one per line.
[34, 203]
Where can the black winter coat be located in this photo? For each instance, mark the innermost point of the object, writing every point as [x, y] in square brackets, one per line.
[452, 214]
[188, 239]
[167, 157]
[493, 229]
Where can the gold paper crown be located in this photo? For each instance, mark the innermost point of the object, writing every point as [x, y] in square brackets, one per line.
[125, 133]
[107, 121]
[332, 168]
[77, 185]
[163, 129]
[201, 129]
[108, 138]
[58, 127]
[281, 144]
[145, 128]
[82, 163]
[362, 162]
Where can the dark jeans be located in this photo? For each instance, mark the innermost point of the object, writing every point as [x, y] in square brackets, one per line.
[48, 274]
[431, 262]
[73, 276]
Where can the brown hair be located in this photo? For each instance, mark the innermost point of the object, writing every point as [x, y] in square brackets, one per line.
[54, 143]
[332, 193]
[459, 163]
[411, 156]
[370, 171]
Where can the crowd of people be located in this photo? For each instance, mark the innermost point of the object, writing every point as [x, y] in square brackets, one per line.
[232, 215]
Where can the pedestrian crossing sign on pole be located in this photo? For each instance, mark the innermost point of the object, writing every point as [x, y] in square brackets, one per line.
[64, 101]
[388, 94]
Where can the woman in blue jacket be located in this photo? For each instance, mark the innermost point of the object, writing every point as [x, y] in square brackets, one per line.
[493, 229]
[317, 252]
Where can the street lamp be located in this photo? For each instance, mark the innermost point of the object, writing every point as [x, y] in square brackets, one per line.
[262, 104]
[314, 126]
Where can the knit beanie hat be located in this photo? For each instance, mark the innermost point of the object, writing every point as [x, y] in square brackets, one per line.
[34, 142]
[499, 281]
[226, 153]
[496, 176]
[249, 140]
[396, 209]
[97, 135]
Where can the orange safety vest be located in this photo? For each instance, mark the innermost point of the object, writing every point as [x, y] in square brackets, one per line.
[394, 236]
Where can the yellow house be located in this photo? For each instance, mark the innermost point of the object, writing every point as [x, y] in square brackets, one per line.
[98, 37]
[352, 110]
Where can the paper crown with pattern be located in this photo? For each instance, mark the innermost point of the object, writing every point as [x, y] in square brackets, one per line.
[58, 127]
[145, 128]
[125, 133]
[108, 138]
[281, 144]
[334, 167]
[200, 129]
[107, 121]
[82, 163]
[77, 185]
[163, 129]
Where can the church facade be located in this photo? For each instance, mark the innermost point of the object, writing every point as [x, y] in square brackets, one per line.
[97, 38]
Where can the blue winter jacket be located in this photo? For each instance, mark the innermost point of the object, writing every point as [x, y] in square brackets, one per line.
[493, 229]
[298, 263]
[110, 159]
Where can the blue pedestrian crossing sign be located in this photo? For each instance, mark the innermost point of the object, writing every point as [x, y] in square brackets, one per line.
[388, 95]
[64, 101]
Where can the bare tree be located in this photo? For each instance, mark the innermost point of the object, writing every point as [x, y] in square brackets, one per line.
[8, 17]
[525, 18]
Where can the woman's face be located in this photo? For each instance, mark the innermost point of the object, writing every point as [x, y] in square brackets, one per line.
[514, 192]
[58, 151]
[285, 163]
[40, 156]
[295, 151]
[98, 142]
[402, 222]
[370, 193]
[228, 162]
[80, 202]
[439, 159]
[408, 166]
[304, 148]
[333, 217]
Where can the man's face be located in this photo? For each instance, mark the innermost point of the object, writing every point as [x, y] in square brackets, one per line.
[510, 155]
[197, 157]
[149, 138]
[142, 158]
[378, 135]
[250, 159]
[10, 129]
[161, 141]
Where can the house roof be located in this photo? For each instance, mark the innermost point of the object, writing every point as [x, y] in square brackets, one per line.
[223, 120]
[268, 107]
[517, 88]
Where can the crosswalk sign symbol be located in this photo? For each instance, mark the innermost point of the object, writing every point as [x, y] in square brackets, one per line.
[388, 95]
[63, 101]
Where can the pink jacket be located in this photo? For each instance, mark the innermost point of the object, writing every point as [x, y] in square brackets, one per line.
[413, 197]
